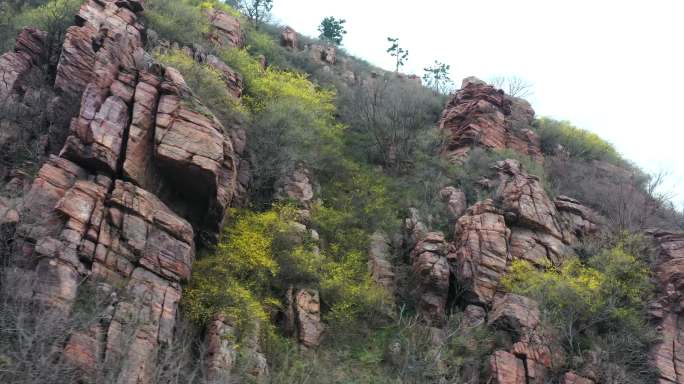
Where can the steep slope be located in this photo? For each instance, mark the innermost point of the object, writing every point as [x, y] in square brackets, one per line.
[231, 204]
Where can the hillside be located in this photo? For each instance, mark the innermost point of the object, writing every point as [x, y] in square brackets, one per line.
[189, 196]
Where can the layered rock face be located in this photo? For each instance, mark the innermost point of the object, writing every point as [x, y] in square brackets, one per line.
[116, 206]
[481, 115]
[525, 225]
[666, 312]
[29, 51]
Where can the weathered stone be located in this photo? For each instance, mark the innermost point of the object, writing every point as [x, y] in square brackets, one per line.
[307, 310]
[379, 265]
[515, 313]
[507, 369]
[139, 166]
[579, 219]
[480, 253]
[455, 200]
[668, 354]
[432, 272]
[227, 30]
[289, 38]
[232, 78]
[524, 200]
[221, 352]
[30, 50]
[190, 144]
[483, 116]
[296, 186]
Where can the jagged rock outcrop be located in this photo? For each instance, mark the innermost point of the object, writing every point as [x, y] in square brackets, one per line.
[431, 273]
[537, 233]
[481, 115]
[666, 312]
[302, 316]
[289, 38]
[191, 144]
[578, 220]
[480, 253]
[116, 206]
[226, 29]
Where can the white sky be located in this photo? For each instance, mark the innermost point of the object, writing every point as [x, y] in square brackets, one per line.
[613, 67]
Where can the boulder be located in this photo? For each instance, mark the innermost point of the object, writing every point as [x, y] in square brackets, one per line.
[431, 272]
[483, 116]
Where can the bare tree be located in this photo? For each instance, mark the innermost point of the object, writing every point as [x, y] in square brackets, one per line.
[513, 85]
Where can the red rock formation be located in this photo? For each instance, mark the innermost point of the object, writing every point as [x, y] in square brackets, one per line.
[480, 251]
[226, 31]
[289, 38]
[29, 51]
[507, 369]
[668, 354]
[456, 202]
[431, 272]
[481, 115]
[96, 212]
[191, 144]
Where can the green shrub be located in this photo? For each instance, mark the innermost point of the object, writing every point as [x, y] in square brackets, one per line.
[599, 305]
[577, 142]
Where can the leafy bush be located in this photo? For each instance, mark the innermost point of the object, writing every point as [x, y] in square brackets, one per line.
[261, 255]
[180, 21]
[599, 305]
[577, 142]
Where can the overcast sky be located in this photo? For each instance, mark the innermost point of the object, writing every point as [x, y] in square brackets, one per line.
[613, 67]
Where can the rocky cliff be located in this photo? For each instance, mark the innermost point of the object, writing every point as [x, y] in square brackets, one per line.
[115, 206]
[132, 178]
